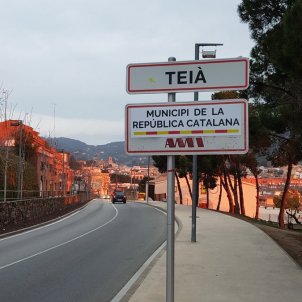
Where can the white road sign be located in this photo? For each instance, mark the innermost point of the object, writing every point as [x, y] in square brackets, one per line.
[211, 127]
[186, 76]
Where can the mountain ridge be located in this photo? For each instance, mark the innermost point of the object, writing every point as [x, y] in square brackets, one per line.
[83, 151]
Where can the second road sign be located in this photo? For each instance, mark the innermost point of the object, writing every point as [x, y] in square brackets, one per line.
[213, 127]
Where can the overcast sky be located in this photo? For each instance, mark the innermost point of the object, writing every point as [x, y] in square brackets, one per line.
[63, 62]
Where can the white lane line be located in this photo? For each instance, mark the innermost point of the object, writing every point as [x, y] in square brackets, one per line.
[61, 244]
[39, 228]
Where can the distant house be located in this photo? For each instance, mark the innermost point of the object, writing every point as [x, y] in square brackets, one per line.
[99, 180]
[158, 189]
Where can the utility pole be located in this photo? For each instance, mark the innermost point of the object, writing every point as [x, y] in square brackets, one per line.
[19, 181]
[63, 178]
[170, 217]
[5, 169]
[195, 183]
[5, 97]
[147, 184]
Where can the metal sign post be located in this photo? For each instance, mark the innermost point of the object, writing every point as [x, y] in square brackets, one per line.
[147, 183]
[170, 217]
[219, 127]
[195, 182]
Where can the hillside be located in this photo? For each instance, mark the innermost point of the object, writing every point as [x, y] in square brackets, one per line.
[82, 151]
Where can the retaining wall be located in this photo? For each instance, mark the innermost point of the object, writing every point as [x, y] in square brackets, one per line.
[29, 211]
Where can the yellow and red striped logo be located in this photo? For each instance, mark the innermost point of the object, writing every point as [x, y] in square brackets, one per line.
[184, 132]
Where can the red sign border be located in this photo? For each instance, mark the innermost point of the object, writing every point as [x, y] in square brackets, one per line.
[212, 88]
[191, 151]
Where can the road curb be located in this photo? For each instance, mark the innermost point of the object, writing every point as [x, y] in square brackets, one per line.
[125, 294]
[178, 221]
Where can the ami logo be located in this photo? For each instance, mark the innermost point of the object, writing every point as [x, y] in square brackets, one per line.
[190, 142]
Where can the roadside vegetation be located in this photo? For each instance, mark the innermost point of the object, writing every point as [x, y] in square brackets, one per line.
[275, 107]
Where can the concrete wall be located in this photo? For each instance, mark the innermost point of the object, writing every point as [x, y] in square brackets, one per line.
[160, 189]
[24, 212]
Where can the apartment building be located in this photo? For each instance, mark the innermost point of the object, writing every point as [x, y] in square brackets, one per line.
[53, 173]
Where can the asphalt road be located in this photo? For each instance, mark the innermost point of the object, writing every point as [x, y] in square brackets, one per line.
[88, 256]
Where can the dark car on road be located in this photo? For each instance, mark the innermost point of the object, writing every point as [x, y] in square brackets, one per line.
[118, 196]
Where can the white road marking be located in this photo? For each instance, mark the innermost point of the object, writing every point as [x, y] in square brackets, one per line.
[61, 244]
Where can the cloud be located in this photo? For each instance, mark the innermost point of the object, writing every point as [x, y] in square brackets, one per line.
[73, 53]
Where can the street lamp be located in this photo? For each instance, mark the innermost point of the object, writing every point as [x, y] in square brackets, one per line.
[195, 183]
[5, 171]
[206, 53]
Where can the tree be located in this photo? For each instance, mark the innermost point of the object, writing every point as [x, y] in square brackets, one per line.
[178, 187]
[230, 165]
[252, 164]
[292, 203]
[262, 15]
[225, 184]
[239, 171]
[28, 155]
[289, 151]
[160, 162]
[259, 141]
[286, 41]
[28, 147]
[231, 170]
[12, 167]
[208, 173]
[275, 82]
[184, 167]
[30, 184]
